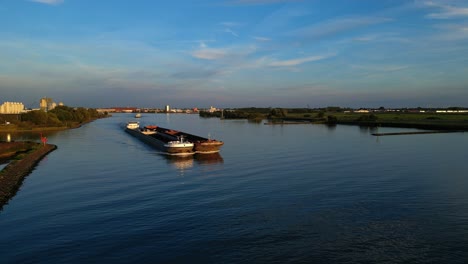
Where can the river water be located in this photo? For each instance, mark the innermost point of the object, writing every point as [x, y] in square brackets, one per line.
[274, 194]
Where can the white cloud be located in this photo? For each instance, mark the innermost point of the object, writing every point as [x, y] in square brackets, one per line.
[227, 55]
[336, 26]
[381, 37]
[364, 38]
[209, 53]
[446, 11]
[262, 39]
[295, 62]
[451, 32]
[48, 2]
[260, 2]
[230, 24]
[228, 30]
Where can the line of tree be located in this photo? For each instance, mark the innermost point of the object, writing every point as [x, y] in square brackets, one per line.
[253, 113]
[60, 116]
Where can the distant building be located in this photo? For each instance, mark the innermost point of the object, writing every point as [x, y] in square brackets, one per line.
[362, 111]
[212, 109]
[168, 109]
[47, 104]
[452, 111]
[108, 110]
[11, 108]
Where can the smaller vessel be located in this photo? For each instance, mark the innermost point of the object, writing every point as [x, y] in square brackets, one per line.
[138, 115]
[148, 134]
[133, 125]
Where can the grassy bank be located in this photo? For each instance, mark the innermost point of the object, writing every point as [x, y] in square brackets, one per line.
[60, 118]
[23, 156]
[406, 120]
[15, 128]
[428, 120]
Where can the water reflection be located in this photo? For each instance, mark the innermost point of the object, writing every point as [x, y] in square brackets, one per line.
[25, 136]
[186, 162]
[331, 127]
[180, 162]
[206, 159]
[368, 129]
[255, 121]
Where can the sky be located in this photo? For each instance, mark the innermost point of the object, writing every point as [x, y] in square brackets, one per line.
[235, 53]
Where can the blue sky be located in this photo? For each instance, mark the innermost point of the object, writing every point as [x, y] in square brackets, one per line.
[235, 53]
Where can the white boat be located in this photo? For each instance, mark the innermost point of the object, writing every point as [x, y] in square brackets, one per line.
[133, 125]
[138, 115]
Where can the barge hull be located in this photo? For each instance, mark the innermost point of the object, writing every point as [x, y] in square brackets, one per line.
[201, 145]
[151, 140]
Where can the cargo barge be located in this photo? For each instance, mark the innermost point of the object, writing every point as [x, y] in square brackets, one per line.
[173, 141]
[171, 146]
[201, 145]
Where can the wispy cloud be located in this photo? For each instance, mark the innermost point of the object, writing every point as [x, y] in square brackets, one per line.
[365, 38]
[380, 68]
[446, 11]
[206, 53]
[339, 25]
[231, 24]
[381, 37]
[228, 30]
[260, 2]
[262, 39]
[298, 61]
[195, 74]
[48, 2]
[452, 32]
[228, 55]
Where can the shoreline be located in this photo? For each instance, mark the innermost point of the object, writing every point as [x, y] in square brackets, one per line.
[427, 126]
[424, 126]
[12, 175]
[40, 129]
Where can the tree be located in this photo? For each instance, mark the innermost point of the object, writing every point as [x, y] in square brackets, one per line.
[331, 119]
[36, 117]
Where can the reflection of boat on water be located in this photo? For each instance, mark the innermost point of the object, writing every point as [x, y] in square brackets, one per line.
[184, 162]
[180, 162]
[172, 146]
[212, 158]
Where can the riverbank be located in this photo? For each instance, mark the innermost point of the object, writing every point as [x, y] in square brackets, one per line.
[403, 119]
[426, 121]
[15, 128]
[23, 158]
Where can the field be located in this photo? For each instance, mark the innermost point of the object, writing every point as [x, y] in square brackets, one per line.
[456, 121]
[409, 119]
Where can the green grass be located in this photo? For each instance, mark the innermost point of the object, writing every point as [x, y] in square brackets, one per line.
[441, 120]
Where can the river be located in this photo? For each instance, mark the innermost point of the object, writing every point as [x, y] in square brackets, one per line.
[274, 194]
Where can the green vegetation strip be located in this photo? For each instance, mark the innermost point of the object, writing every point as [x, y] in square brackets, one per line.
[24, 155]
[60, 118]
[334, 115]
[416, 133]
